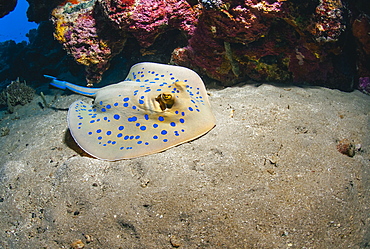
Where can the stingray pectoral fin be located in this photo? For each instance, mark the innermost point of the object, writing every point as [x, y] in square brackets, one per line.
[87, 91]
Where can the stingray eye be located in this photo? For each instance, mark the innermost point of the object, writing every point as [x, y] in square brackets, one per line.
[166, 96]
[165, 100]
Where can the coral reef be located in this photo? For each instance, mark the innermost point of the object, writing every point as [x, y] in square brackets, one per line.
[316, 42]
[7, 6]
[147, 19]
[271, 40]
[85, 29]
[81, 36]
[221, 44]
[16, 93]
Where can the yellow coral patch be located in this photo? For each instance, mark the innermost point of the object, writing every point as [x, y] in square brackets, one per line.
[60, 30]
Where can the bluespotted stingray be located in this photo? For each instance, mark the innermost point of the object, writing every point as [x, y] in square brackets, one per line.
[155, 108]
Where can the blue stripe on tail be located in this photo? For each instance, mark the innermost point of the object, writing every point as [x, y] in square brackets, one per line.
[88, 91]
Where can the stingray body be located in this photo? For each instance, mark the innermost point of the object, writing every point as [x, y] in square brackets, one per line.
[156, 107]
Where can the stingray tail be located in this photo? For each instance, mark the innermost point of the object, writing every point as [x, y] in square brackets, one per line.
[87, 91]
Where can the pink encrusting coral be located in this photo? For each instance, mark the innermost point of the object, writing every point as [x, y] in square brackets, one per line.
[147, 19]
[227, 40]
[209, 50]
[93, 31]
[77, 30]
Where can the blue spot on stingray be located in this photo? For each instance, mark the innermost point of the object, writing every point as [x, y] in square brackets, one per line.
[141, 102]
[103, 110]
[182, 113]
[147, 90]
[137, 137]
[165, 140]
[119, 135]
[134, 107]
[160, 118]
[114, 142]
[121, 148]
[181, 120]
[146, 116]
[126, 99]
[100, 138]
[115, 104]
[125, 104]
[109, 133]
[173, 124]
[146, 143]
[90, 133]
[121, 128]
[132, 119]
[79, 123]
[155, 137]
[155, 125]
[143, 128]
[176, 133]
[108, 106]
[126, 137]
[176, 112]
[132, 137]
[105, 118]
[92, 121]
[98, 130]
[163, 132]
[191, 109]
[101, 102]
[116, 116]
[139, 142]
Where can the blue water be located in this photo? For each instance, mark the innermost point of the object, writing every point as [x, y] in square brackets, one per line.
[15, 25]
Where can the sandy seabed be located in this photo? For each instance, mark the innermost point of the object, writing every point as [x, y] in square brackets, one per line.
[269, 175]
